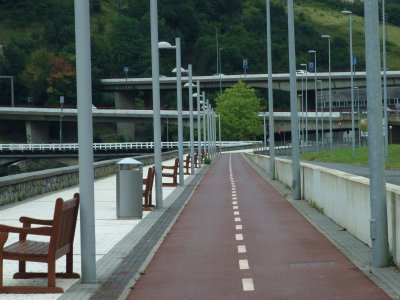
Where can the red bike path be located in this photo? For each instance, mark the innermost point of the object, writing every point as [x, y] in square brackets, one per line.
[239, 238]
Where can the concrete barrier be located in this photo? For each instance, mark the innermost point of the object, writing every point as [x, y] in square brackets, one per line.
[342, 197]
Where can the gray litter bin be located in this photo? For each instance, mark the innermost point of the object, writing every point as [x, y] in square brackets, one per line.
[129, 188]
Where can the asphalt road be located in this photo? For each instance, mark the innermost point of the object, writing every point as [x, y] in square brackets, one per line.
[391, 176]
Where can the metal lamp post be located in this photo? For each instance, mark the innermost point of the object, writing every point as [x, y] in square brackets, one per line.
[191, 129]
[322, 114]
[204, 125]
[316, 96]
[385, 112]
[270, 94]
[349, 13]
[358, 115]
[197, 95]
[177, 47]
[378, 221]
[156, 102]
[61, 116]
[325, 36]
[306, 101]
[85, 140]
[220, 70]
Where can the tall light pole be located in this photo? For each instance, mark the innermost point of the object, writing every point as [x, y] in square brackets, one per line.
[219, 131]
[197, 95]
[155, 71]
[61, 116]
[220, 70]
[191, 120]
[358, 115]
[177, 47]
[306, 101]
[322, 114]
[385, 113]
[293, 105]
[270, 95]
[316, 96]
[204, 125]
[302, 107]
[325, 36]
[378, 222]
[349, 13]
[85, 140]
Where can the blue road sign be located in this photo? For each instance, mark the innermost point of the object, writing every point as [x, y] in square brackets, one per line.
[311, 67]
[126, 69]
[245, 63]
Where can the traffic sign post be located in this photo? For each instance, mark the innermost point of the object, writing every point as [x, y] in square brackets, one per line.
[245, 66]
[126, 70]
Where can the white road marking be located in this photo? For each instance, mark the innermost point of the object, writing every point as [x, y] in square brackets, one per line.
[236, 213]
[239, 227]
[234, 198]
[238, 220]
[236, 207]
[234, 202]
[242, 249]
[243, 264]
[239, 237]
[248, 284]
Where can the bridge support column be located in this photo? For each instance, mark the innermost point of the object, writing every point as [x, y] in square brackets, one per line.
[124, 99]
[37, 132]
[126, 130]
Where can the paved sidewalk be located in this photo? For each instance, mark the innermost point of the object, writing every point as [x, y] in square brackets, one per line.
[110, 231]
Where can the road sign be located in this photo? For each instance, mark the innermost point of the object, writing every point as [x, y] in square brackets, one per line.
[245, 63]
[311, 67]
[126, 70]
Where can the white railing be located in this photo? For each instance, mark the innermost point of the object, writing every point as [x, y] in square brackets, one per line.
[108, 146]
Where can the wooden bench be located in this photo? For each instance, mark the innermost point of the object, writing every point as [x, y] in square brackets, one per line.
[172, 173]
[148, 189]
[60, 230]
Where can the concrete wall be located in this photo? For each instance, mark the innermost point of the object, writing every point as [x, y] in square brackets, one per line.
[342, 197]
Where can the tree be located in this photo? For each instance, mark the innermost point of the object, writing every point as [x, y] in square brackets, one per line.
[239, 107]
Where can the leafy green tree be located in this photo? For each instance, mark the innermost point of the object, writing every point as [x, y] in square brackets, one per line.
[238, 107]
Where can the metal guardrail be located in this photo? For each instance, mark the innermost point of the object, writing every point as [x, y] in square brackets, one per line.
[73, 147]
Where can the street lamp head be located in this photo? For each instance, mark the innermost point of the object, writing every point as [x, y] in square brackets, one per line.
[187, 85]
[346, 12]
[312, 51]
[165, 45]
[325, 36]
[182, 70]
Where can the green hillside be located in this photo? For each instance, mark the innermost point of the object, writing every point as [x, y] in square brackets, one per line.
[38, 40]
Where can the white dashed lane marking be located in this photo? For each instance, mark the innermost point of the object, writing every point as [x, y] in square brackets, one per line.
[239, 237]
[243, 264]
[248, 284]
[242, 249]
[235, 213]
[238, 220]
[239, 227]
[236, 207]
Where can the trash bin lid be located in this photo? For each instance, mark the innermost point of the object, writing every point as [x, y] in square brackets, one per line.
[129, 161]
